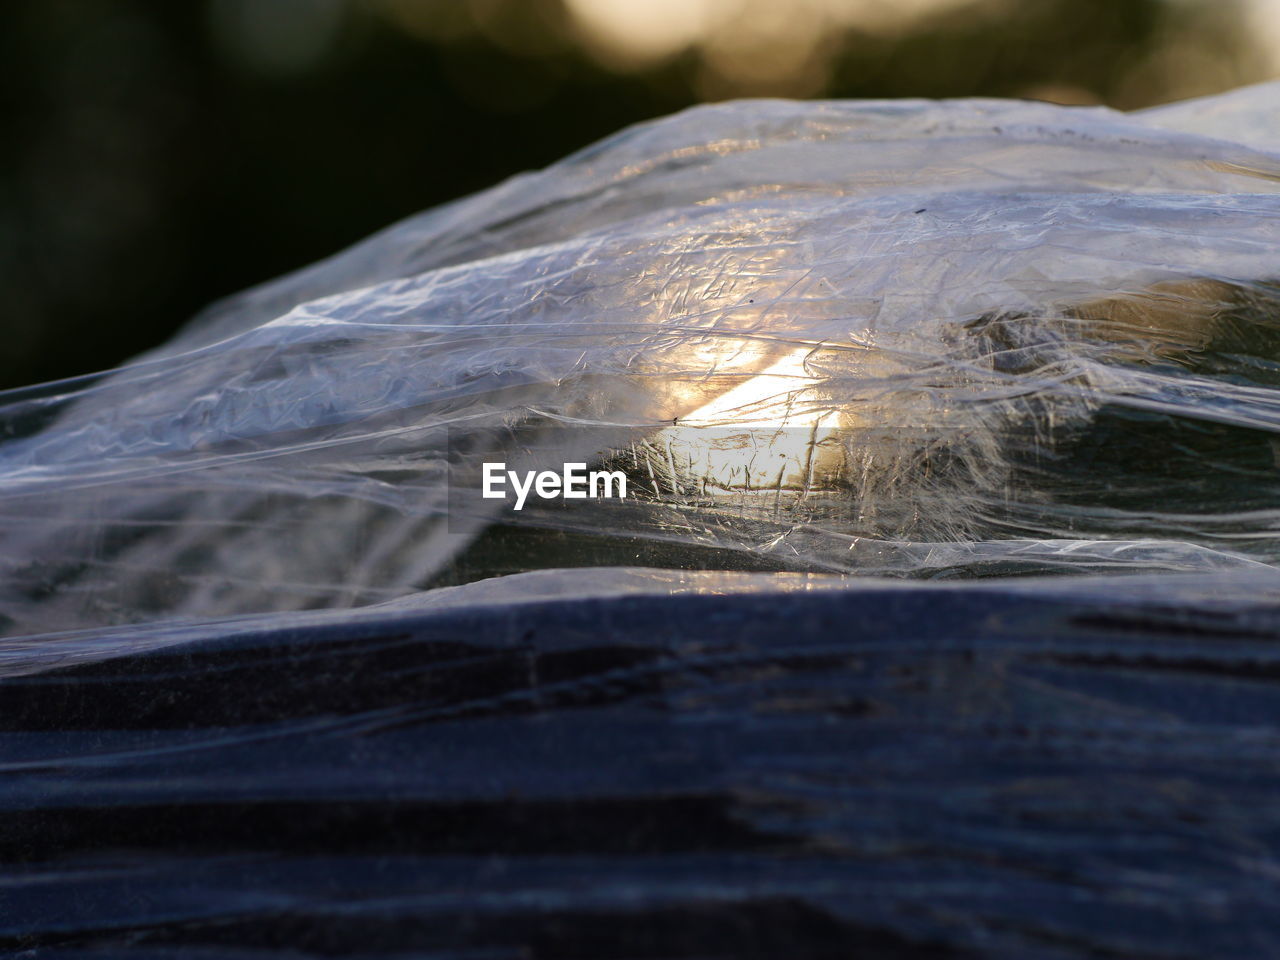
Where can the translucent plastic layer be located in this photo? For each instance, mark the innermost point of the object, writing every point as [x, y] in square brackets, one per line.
[916, 338]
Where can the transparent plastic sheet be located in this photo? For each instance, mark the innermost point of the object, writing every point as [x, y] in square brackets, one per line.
[1021, 338]
[276, 675]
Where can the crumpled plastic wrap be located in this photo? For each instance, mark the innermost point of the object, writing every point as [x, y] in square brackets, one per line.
[883, 338]
[278, 683]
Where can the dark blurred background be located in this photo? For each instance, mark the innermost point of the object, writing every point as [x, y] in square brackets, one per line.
[163, 153]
